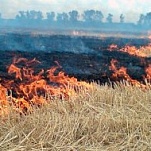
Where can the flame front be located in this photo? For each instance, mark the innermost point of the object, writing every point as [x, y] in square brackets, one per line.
[121, 73]
[24, 87]
[27, 88]
[143, 51]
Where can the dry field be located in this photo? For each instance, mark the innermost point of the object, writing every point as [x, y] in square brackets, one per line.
[100, 119]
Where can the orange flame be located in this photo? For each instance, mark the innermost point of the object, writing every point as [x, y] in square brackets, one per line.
[13, 69]
[132, 50]
[144, 51]
[30, 89]
[122, 73]
[113, 47]
[3, 102]
[26, 88]
[148, 72]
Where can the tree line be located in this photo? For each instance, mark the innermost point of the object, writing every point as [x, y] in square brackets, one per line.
[74, 17]
[145, 19]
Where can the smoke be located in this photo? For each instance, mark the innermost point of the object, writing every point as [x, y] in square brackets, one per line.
[43, 43]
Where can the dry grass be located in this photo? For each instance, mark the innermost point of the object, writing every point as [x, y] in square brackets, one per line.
[102, 119]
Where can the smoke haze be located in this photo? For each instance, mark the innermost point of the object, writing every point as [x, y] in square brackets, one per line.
[131, 9]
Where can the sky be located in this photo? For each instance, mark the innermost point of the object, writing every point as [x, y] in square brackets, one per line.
[131, 9]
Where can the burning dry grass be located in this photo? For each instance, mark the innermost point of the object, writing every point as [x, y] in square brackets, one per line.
[57, 112]
[100, 119]
[143, 51]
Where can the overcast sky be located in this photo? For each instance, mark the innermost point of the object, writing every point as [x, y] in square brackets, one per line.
[130, 8]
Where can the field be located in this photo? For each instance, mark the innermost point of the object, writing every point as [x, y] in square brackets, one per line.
[100, 119]
[46, 105]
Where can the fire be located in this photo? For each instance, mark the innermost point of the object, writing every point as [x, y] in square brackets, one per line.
[121, 73]
[3, 102]
[26, 86]
[113, 47]
[144, 51]
[148, 72]
[29, 88]
[16, 70]
[132, 50]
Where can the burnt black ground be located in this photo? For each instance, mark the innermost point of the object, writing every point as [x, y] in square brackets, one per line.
[85, 58]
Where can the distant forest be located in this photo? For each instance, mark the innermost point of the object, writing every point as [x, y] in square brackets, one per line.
[74, 20]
